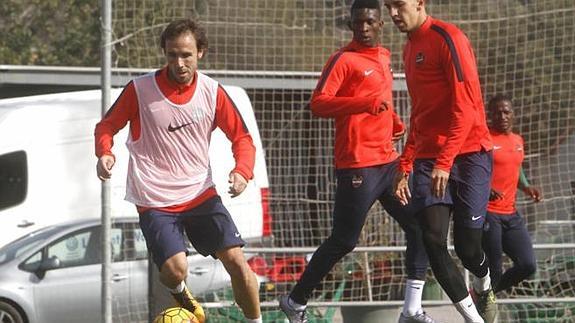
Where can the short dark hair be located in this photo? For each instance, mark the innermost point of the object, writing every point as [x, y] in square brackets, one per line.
[182, 26]
[498, 98]
[365, 4]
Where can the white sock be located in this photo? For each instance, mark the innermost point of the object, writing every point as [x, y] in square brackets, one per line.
[258, 320]
[482, 284]
[296, 306]
[468, 310]
[413, 294]
[178, 289]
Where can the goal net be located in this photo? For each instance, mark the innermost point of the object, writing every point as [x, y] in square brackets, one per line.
[275, 51]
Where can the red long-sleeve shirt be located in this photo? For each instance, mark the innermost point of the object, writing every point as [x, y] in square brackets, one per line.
[447, 117]
[508, 155]
[228, 118]
[354, 82]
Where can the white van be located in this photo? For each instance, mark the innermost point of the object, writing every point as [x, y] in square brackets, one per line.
[48, 166]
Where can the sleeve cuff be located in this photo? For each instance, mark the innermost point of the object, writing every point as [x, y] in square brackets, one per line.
[405, 167]
[247, 175]
[100, 154]
[443, 167]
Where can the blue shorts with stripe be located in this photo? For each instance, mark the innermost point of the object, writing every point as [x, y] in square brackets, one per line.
[357, 190]
[209, 227]
[467, 189]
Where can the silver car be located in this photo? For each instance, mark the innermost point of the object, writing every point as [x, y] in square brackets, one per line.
[54, 274]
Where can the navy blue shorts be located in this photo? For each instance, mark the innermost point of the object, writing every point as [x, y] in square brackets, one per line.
[209, 227]
[357, 190]
[507, 233]
[467, 189]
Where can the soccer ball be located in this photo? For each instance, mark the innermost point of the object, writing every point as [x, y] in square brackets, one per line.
[176, 315]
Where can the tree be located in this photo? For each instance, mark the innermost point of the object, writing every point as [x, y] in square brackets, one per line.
[49, 32]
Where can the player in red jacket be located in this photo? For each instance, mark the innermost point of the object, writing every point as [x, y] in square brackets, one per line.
[355, 89]
[449, 150]
[172, 113]
[505, 230]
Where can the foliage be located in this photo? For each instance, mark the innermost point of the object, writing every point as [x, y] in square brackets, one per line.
[49, 32]
[525, 48]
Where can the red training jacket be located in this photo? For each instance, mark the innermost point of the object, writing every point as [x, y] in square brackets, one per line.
[447, 117]
[354, 82]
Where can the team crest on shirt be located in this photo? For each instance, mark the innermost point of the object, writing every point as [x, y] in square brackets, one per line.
[419, 58]
[356, 181]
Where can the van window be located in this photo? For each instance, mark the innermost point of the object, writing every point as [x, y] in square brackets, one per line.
[13, 179]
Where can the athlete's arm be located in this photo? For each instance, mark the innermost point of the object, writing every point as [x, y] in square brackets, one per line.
[461, 71]
[495, 195]
[229, 119]
[104, 167]
[524, 185]
[123, 110]
[529, 190]
[398, 127]
[327, 104]
[237, 183]
[401, 181]
[408, 154]
[522, 182]
[401, 187]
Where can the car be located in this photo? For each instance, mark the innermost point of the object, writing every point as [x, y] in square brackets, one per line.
[47, 158]
[53, 275]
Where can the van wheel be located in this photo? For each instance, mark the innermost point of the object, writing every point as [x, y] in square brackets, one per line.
[9, 313]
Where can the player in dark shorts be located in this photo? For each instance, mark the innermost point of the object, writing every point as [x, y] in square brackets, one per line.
[449, 151]
[172, 113]
[355, 90]
[505, 230]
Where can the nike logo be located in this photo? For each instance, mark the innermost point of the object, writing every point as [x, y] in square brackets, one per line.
[474, 218]
[482, 261]
[172, 128]
[496, 147]
[237, 234]
[367, 72]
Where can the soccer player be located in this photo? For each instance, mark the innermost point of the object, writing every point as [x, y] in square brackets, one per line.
[505, 229]
[172, 113]
[448, 149]
[355, 89]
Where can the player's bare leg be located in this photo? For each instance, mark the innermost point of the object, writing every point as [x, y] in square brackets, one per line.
[173, 275]
[244, 282]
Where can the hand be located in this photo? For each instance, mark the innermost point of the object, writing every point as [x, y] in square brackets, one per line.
[439, 179]
[384, 106]
[401, 187]
[237, 184]
[397, 136]
[104, 167]
[495, 195]
[533, 193]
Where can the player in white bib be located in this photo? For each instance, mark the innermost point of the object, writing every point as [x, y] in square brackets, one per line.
[172, 113]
